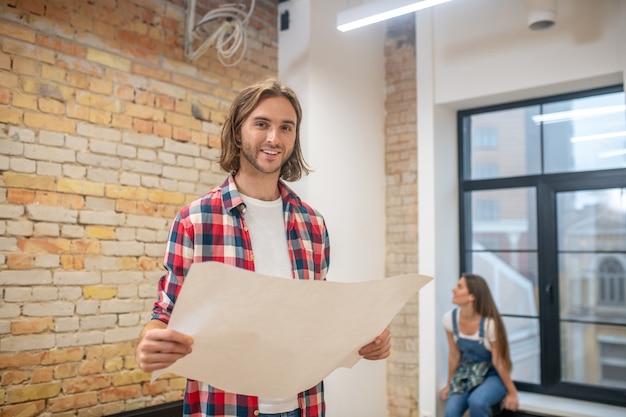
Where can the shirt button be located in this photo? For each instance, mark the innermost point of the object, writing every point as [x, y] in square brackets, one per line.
[256, 412]
[245, 228]
[252, 257]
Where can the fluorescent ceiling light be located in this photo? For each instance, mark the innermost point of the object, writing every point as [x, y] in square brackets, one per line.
[610, 154]
[578, 114]
[377, 11]
[598, 136]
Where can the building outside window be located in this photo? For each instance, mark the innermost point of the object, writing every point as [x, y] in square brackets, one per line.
[545, 224]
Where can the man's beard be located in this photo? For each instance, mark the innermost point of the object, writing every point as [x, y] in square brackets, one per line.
[250, 155]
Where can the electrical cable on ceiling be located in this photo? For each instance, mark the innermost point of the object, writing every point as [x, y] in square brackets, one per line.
[229, 37]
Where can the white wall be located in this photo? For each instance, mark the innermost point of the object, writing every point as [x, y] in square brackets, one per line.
[340, 79]
[472, 53]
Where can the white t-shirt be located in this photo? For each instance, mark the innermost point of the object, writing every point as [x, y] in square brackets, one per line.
[266, 225]
[490, 330]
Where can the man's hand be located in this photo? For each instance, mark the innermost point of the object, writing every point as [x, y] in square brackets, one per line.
[159, 348]
[380, 348]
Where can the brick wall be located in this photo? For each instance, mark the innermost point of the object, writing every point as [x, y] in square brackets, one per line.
[106, 130]
[401, 208]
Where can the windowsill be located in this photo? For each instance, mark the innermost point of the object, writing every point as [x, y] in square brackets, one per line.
[558, 406]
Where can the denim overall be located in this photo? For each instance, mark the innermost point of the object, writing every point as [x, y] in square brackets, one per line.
[476, 384]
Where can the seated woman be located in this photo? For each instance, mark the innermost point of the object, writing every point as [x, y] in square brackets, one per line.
[479, 363]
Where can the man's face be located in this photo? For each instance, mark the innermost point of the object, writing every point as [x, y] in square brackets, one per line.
[268, 136]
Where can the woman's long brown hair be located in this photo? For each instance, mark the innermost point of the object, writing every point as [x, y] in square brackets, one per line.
[486, 307]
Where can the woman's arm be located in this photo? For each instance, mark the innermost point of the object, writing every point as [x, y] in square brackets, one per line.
[454, 358]
[511, 401]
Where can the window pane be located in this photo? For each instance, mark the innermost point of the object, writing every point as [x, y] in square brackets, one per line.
[593, 220]
[523, 335]
[584, 134]
[593, 354]
[504, 219]
[514, 289]
[591, 287]
[592, 255]
[506, 141]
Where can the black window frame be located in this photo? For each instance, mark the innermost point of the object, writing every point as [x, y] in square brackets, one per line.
[547, 186]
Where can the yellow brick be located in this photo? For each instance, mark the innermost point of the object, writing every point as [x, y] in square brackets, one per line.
[28, 50]
[19, 32]
[127, 263]
[113, 365]
[31, 409]
[81, 21]
[48, 105]
[143, 112]
[178, 119]
[200, 138]
[129, 193]
[55, 246]
[184, 107]
[25, 101]
[99, 117]
[138, 27]
[59, 92]
[98, 101]
[11, 116]
[118, 349]
[108, 59]
[65, 370]
[72, 402]
[41, 375]
[99, 293]
[91, 367]
[33, 392]
[101, 86]
[130, 377]
[67, 185]
[100, 232]
[56, 356]
[30, 182]
[190, 198]
[71, 201]
[93, 352]
[49, 122]
[158, 196]
[80, 81]
[49, 72]
[76, 111]
[178, 383]
[9, 80]
[23, 67]
[69, 262]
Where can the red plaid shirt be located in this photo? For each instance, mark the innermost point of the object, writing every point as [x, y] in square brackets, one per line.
[213, 228]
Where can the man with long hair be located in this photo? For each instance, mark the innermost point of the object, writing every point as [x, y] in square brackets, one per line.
[252, 221]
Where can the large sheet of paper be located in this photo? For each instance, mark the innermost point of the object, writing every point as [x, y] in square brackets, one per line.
[267, 336]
